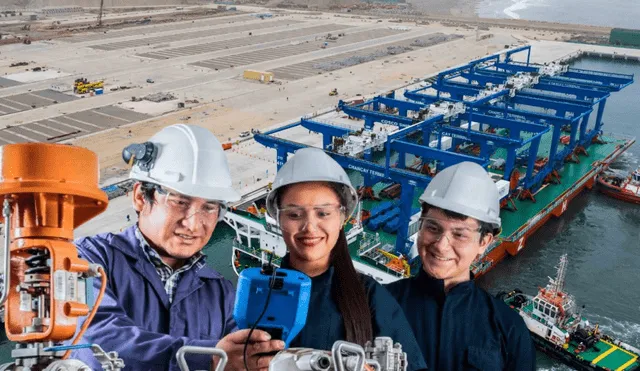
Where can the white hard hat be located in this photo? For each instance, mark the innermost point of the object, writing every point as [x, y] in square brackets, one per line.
[312, 165]
[186, 158]
[465, 188]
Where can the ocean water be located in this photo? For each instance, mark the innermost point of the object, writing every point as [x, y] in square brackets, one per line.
[608, 13]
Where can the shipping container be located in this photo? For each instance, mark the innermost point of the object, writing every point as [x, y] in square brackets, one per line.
[622, 36]
[262, 76]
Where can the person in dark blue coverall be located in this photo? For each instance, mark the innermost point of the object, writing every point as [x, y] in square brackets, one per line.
[161, 295]
[311, 199]
[458, 325]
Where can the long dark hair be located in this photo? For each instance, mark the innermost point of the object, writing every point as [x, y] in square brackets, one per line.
[349, 292]
[347, 288]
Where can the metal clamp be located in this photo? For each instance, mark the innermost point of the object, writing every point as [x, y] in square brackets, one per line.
[338, 361]
[201, 350]
[108, 360]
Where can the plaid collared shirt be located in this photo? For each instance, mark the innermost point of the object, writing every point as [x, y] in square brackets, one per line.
[168, 276]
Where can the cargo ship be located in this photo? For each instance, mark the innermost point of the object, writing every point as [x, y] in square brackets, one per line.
[625, 188]
[537, 129]
[559, 330]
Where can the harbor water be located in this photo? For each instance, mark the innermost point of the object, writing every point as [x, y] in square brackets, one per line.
[610, 13]
[601, 236]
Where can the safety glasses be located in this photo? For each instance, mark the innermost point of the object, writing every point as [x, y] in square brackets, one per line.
[187, 207]
[297, 218]
[457, 233]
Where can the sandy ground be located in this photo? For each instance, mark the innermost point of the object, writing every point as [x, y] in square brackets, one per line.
[463, 8]
[250, 159]
[268, 104]
[31, 76]
[10, 4]
[234, 105]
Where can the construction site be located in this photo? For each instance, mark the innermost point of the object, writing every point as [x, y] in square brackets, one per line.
[232, 69]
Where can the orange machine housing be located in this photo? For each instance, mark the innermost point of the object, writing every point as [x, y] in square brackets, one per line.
[53, 189]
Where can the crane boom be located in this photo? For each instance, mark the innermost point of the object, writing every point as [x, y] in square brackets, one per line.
[100, 13]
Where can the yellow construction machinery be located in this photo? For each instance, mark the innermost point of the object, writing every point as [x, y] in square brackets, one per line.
[398, 264]
[83, 86]
[333, 92]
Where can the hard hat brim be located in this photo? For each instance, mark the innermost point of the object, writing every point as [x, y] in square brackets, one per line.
[313, 165]
[351, 198]
[461, 209]
[467, 189]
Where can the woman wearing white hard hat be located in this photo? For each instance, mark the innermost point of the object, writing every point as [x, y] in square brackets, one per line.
[311, 199]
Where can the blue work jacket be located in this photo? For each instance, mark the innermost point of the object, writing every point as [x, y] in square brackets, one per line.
[464, 329]
[135, 317]
[325, 325]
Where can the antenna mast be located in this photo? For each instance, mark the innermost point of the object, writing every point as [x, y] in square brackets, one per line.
[100, 13]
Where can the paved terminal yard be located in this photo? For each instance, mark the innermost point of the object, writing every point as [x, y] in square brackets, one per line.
[335, 62]
[22, 102]
[244, 41]
[244, 27]
[198, 66]
[6, 83]
[65, 127]
[292, 50]
[144, 30]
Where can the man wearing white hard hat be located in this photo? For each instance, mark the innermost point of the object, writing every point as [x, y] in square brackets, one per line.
[161, 295]
[458, 325]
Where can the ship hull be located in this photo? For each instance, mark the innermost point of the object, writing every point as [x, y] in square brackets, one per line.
[617, 192]
[513, 244]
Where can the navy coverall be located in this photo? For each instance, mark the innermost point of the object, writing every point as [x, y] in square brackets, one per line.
[325, 324]
[136, 318]
[464, 329]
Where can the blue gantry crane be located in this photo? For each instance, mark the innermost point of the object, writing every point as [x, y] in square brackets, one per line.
[493, 111]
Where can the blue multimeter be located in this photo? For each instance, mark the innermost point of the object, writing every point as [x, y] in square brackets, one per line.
[286, 313]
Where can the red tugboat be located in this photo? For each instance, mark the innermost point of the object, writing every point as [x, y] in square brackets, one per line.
[626, 188]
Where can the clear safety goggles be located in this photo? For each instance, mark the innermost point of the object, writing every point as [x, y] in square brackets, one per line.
[187, 207]
[297, 218]
[457, 234]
